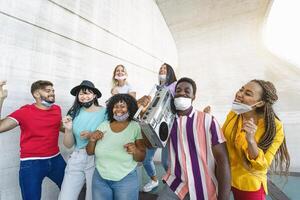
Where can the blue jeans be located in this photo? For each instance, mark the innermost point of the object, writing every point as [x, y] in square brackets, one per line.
[149, 163]
[124, 189]
[32, 173]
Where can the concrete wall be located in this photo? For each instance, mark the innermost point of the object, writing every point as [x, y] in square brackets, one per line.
[66, 41]
[220, 46]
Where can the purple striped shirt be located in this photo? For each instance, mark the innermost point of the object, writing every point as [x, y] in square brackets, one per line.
[192, 163]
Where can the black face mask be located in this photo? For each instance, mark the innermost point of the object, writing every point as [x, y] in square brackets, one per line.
[87, 104]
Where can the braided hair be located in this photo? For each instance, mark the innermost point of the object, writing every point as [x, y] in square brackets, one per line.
[269, 96]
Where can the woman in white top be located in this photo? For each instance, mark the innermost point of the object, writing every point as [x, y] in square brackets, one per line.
[167, 79]
[119, 82]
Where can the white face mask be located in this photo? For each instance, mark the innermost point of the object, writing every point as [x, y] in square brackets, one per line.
[182, 103]
[162, 77]
[121, 77]
[240, 108]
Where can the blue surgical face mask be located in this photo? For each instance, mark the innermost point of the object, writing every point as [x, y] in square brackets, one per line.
[46, 103]
[121, 118]
[240, 108]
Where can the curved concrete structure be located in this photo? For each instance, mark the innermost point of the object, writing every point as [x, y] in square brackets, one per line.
[220, 46]
[218, 43]
[66, 41]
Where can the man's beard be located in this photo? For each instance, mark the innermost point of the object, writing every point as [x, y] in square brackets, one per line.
[47, 99]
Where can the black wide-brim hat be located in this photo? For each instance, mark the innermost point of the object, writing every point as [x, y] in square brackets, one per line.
[86, 84]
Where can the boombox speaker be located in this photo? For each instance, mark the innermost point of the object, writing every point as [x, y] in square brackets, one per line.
[157, 121]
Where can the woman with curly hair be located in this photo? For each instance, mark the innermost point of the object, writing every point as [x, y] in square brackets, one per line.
[254, 137]
[118, 146]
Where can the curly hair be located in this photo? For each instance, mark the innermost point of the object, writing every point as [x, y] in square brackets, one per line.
[130, 102]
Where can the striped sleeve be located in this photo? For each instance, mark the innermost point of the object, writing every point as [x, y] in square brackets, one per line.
[217, 136]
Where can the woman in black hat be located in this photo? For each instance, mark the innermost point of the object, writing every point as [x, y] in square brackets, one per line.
[83, 117]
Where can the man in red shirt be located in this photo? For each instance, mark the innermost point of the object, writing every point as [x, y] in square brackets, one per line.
[39, 153]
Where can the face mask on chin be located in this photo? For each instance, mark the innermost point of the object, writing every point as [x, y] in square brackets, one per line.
[46, 103]
[121, 118]
[120, 77]
[87, 104]
[182, 103]
[240, 108]
[162, 78]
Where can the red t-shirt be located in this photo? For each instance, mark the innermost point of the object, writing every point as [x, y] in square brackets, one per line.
[39, 130]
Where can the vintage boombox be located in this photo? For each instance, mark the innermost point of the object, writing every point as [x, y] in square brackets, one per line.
[157, 121]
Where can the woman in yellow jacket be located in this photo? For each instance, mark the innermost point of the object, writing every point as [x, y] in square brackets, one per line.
[254, 137]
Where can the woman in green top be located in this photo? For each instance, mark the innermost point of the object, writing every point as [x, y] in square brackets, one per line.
[118, 146]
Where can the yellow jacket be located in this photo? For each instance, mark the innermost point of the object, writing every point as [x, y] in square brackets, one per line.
[249, 177]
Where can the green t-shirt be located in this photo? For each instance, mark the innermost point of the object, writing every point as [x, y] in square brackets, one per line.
[112, 160]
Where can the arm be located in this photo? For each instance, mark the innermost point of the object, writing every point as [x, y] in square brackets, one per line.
[94, 137]
[264, 159]
[144, 102]
[250, 129]
[114, 91]
[222, 171]
[3, 95]
[90, 148]
[253, 150]
[137, 149]
[68, 140]
[146, 141]
[133, 94]
[62, 128]
[6, 124]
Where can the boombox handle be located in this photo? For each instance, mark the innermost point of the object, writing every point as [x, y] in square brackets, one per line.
[138, 112]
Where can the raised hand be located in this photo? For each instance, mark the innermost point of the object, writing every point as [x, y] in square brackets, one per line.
[67, 122]
[3, 92]
[144, 102]
[207, 109]
[250, 128]
[130, 148]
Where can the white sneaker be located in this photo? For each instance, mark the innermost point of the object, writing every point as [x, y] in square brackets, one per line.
[150, 185]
